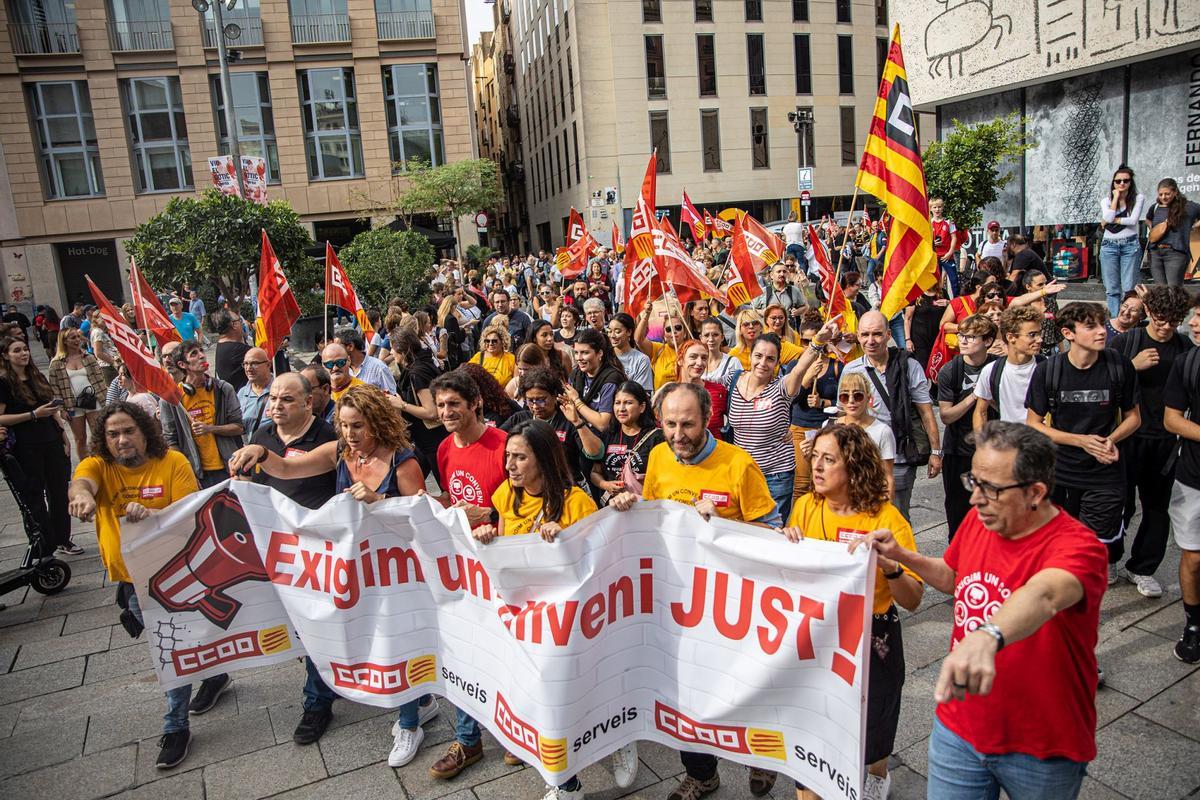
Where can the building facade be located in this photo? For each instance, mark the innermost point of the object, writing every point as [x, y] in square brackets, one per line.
[112, 107]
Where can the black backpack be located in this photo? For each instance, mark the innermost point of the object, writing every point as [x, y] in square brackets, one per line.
[1114, 365]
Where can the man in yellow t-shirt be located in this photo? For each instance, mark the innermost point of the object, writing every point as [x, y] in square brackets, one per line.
[336, 359]
[135, 474]
[207, 429]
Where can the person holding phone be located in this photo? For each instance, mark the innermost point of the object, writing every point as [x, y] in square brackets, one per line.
[1120, 248]
[1171, 221]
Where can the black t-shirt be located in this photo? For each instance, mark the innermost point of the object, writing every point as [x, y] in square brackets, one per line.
[308, 492]
[229, 363]
[1085, 406]
[926, 320]
[619, 447]
[1182, 393]
[1151, 381]
[1027, 259]
[35, 432]
[951, 388]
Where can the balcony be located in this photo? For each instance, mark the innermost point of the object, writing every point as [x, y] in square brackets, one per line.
[252, 33]
[401, 25]
[35, 38]
[141, 35]
[513, 116]
[320, 28]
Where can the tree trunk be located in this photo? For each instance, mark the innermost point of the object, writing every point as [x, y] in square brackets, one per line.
[458, 243]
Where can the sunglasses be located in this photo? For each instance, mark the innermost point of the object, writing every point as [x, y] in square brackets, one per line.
[993, 295]
[336, 364]
[491, 341]
[1120, 180]
[856, 396]
[249, 364]
[673, 328]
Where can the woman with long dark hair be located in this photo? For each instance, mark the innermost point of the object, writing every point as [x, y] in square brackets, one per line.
[1171, 221]
[594, 381]
[542, 393]
[636, 363]
[498, 407]
[627, 442]
[414, 370]
[1120, 248]
[558, 357]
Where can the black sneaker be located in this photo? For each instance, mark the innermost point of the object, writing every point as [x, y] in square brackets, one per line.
[70, 549]
[172, 749]
[1187, 649]
[1099, 678]
[312, 725]
[210, 690]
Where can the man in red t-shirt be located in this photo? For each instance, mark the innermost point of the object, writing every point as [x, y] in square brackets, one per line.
[1019, 685]
[946, 242]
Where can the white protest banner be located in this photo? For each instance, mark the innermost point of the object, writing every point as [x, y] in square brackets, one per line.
[224, 175]
[254, 177]
[649, 624]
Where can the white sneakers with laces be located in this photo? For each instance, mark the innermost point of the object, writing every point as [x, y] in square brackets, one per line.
[405, 746]
[1146, 585]
[877, 788]
[625, 765]
[558, 793]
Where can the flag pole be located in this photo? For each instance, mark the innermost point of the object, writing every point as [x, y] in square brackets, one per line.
[837, 275]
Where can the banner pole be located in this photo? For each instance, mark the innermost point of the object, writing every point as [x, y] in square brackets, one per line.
[837, 275]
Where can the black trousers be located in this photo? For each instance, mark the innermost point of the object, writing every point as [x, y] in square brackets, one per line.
[1098, 508]
[1145, 459]
[700, 766]
[957, 497]
[47, 471]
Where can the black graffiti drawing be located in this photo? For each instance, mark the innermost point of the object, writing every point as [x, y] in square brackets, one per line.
[167, 635]
[958, 29]
[1079, 117]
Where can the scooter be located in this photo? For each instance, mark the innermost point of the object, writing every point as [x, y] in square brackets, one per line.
[45, 574]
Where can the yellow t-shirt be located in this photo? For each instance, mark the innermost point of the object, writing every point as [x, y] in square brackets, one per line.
[729, 477]
[788, 353]
[200, 408]
[577, 506]
[502, 367]
[156, 484]
[662, 361]
[811, 514]
[336, 394]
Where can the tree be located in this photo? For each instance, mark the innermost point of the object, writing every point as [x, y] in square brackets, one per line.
[216, 239]
[383, 263]
[970, 166]
[477, 254]
[451, 190]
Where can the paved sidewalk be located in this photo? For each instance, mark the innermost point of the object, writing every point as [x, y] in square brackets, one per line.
[80, 712]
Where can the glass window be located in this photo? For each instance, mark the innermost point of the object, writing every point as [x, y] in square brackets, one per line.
[571, 80]
[753, 10]
[414, 114]
[881, 55]
[656, 71]
[843, 10]
[333, 142]
[845, 50]
[760, 146]
[755, 65]
[575, 149]
[158, 134]
[849, 147]
[252, 116]
[803, 64]
[660, 140]
[567, 158]
[710, 139]
[703, 10]
[881, 12]
[562, 93]
[706, 59]
[799, 10]
[557, 168]
[66, 134]
[651, 11]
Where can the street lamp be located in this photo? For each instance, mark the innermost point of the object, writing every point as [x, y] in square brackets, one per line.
[233, 31]
[802, 122]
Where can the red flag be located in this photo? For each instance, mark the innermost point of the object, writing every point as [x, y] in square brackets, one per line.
[709, 226]
[720, 228]
[762, 244]
[340, 292]
[836, 298]
[575, 227]
[688, 215]
[738, 281]
[641, 234]
[641, 283]
[143, 367]
[277, 307]
[147, 310]
[617, 242]
[676, 267]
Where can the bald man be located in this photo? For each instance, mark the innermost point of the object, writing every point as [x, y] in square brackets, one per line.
[336, 359]
[253, 396]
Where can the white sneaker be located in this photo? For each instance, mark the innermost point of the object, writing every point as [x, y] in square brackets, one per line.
[1146, 585]
[877, 788]
[625, 765]
[424, 714]
[404, 749]
[1112, 574]
[557, 793]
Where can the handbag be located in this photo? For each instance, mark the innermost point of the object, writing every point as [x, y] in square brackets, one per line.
[86, 399]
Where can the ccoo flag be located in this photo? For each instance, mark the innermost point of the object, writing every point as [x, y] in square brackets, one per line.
[893, 171]
[277, 307]
[148, 312]
[143, 368]
[340, 292]
[689, 217]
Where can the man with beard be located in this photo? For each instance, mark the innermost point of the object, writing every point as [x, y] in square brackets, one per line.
[207, 428]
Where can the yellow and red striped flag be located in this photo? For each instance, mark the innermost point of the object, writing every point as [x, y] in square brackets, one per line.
[690, 217]
[340, 292]
[893, 171]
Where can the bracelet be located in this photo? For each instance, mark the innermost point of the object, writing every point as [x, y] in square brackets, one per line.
[263, 457]
[891, 576]
[994, 631]
[581, 426]
[33, 416]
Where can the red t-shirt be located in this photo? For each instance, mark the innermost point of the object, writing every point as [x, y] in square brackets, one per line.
[1043, 701]
[943, 230]
[474, 472]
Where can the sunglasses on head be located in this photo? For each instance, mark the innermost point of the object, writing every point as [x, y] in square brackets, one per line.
[855, 396]
[336, 363]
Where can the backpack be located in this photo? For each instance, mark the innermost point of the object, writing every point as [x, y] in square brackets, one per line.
[1114, 364]
[912, 440]
[994, 379]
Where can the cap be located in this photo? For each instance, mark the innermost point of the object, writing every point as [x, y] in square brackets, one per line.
[993, 225]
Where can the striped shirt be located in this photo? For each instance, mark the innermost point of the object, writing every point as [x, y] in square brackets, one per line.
[761, 426]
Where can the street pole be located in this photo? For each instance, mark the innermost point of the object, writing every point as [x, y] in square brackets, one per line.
[230, 124]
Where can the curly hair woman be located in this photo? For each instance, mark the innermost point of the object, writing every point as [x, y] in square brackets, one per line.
[498, 407]
[841, 508]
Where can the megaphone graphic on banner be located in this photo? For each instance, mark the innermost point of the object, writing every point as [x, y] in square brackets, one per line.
[220, 553]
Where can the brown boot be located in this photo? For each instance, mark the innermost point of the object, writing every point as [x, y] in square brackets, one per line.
[692, 789]
[512, 760]
[761, 781]
[458, 757]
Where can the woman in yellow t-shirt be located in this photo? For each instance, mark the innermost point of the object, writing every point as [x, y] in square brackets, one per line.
[842, 508]
[662, 354]
[493, 354]
[749, 326]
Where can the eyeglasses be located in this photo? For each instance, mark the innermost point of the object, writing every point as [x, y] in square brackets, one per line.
[969, 337]
[990, 491]
[537, 401]
[491, 341]
[336, 363]
[1153, 320]
[1120, 180]
[846, 397]
[673, 328]
[249, 364]
[1128, 309]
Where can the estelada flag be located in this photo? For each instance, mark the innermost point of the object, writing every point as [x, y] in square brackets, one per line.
[739, 282]
[676, 267]
[689, 216]
[143, 367]
[617, 242]
[277, 306]
[762, 244]
[148, 312]
[340, 292]
[893, 171]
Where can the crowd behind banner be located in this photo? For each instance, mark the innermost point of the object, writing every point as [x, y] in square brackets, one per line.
[531, 399]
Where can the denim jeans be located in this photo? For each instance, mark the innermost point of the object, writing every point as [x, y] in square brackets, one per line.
[176, 718]
[797, 252]
[466, 729]
[950, 267]
[211, 477]
[1168, 266]
[781, 486]
[957, 771]
[872, 265]
[409, 716]
[1119, 263]
[317, 694]
[903, 478]
[897, 325]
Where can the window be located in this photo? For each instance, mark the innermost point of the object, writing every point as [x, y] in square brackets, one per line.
[575, 148]
[66, 134]
[706, 58]
[845, 47]
[562, 94]
[566, 158]
[414, 113]
[252, 117]
[799, 10]
[760, 145]
[703, 10]
[245, 14]
[807, 142]
[753, 10]
[710, 139]
[755, 66]
[332, 140]
[571, 80]
[651, 11]
[849, 145]
[843, 10]
[656, 73]
[157, 134]
[881, 55]
[881, 12]
[803, 64]
[660, 140]
[557, 168]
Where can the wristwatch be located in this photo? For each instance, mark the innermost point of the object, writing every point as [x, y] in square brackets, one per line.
[995, 632]
[938, 453]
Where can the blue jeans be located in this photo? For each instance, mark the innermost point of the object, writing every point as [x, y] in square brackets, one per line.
[176, 718]
[781, 485]
[1119, 263]
[872, 265]
[797, 252]
[317, 694]
[950, 267]
[957, 771]
[409, 716]
[897, 325]
[466, 729]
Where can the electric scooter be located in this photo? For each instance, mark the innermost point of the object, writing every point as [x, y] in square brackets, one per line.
[45, 574]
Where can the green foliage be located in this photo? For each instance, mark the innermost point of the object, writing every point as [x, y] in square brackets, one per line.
[383, 263]
[451, 190]
[215, 239]
[477, 254]
[970, 166]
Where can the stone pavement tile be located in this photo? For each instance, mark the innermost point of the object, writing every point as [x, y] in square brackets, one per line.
[38, 681]
[1166, 622]
[931, 598]
[597, 781]
[8, 719]
[41, 747]
[925, 517]
[117, 663]
[1138, 758]
[88, 778]
[1112, 704]
[86, 565]
[263, 773]
[660, 759]
[94, 698]
[99, 617]
[907, 784]
[927, 635]
[917, 706]
[916, 756]
[20, 611]
[279, 684]
[370, 783]
[48, 651]
[285, 716]
[1178, 708]
[1095, 790]
[368, 740]
[27, 632]
[420, 785]
[93, 579]
[8, 656]
[1123, 608]
[1140, 664]
[213, 743]
[72, 600]
[188, 786]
